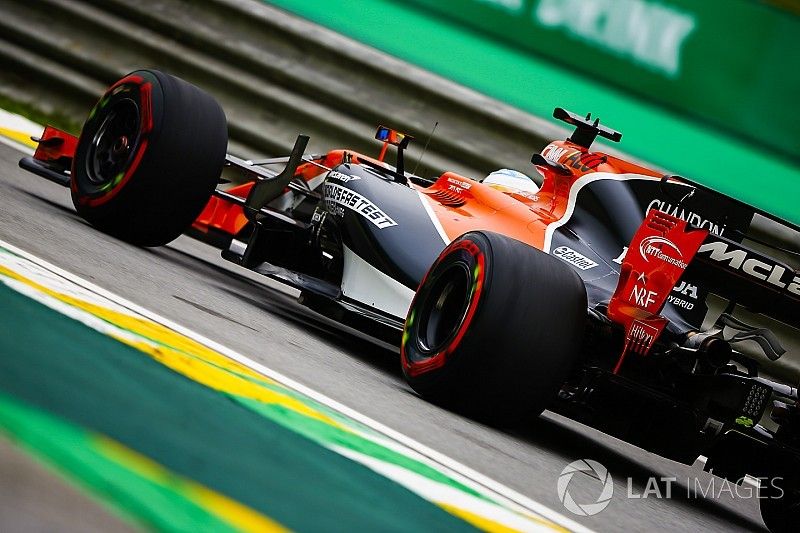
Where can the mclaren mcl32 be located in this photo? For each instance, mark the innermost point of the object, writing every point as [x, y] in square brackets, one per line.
[584, 291]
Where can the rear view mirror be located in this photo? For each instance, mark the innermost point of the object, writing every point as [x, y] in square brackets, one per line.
[392, 137]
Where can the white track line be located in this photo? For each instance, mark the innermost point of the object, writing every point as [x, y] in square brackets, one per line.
[502, 493]
[19, 124]
[17, 146]
[509, 496]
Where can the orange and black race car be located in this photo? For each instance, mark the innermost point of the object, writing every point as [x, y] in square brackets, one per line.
[583, 291]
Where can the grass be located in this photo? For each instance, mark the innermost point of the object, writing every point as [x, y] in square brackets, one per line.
[31, 112]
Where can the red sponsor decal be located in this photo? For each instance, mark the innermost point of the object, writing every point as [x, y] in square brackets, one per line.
[657, 256]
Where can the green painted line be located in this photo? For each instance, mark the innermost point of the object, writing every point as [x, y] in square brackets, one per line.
[319, 431]
[61, 366]
[73, 452]
[536, 85]
[356, 437]
[328, 435]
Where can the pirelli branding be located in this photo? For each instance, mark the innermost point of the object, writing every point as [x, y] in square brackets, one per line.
[339, 197]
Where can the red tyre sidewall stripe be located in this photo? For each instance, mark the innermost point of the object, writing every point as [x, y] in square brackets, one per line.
[440, 358]
[146, 125]
[100, 200]
[135, 80]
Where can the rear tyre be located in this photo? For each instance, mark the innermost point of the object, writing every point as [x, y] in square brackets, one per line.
[494, 329]
[148, 158]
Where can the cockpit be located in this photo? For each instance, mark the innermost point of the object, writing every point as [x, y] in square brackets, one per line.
[505, 179]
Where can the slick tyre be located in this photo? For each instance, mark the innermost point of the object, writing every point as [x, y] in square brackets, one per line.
[494, 329]
[148, 158]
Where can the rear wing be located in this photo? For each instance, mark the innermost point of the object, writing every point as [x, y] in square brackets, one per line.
[756, 279]
[738, 203]
[665, 248]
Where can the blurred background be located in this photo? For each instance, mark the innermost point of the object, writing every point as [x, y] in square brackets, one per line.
[703, 89]
[707, 89]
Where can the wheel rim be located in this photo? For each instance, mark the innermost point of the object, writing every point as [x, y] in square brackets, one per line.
[114, 144]
[444, 309]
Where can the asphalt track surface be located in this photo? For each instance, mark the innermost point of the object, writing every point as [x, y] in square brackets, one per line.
[189, 283]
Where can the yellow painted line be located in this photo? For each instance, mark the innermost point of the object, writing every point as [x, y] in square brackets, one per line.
[142, 327]
[238, 515]
[184, 355]
[489, 525]
[226, 382]
[214, 370]
[482, 523]
[17, 136]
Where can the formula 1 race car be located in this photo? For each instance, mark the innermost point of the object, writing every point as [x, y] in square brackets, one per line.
[584, 291]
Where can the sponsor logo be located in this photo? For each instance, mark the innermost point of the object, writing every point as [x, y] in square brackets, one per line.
[643, 297]
[678, 302]
[576, 159]
[648, 33]
[738, 259]
[689, 216]
[642, 336]
[344, 178]
[574, 258]
[459, 184]
[653, 247]
[594, 470]
[554, 153]
[686, 289]
[529, 195]
[336, 195]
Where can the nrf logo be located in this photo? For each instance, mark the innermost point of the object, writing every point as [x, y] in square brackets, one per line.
[653, 247]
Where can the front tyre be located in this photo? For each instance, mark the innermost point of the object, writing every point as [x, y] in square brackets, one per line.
[148, 158]
[494, 329]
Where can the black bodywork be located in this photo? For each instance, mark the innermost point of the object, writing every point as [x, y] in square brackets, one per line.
[694, 394]
[681, 401]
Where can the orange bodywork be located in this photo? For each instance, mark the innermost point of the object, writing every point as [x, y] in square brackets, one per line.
[462, 204]
[221, 215]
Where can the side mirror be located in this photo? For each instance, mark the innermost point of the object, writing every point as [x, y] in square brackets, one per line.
[393, 137]
[389, 136]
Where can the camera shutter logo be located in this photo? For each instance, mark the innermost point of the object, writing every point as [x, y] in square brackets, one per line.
[593, 469]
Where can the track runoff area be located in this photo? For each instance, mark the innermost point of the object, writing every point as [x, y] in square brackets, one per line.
[173, 431]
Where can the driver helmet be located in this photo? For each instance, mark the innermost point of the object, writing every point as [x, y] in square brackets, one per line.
[512, 179]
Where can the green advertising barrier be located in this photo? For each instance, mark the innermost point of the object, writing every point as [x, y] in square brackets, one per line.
[728, 163]
[733, 63]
